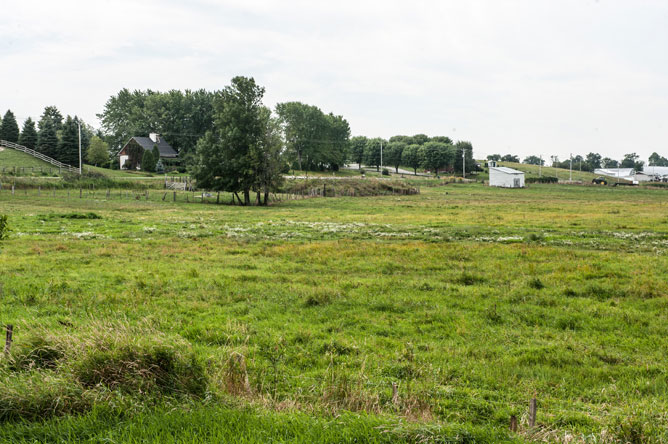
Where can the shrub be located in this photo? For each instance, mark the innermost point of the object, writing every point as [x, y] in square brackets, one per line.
[386, 172]
[4, 227]
[544, 179]
[145, 368]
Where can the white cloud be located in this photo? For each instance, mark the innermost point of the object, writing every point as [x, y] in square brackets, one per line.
[529, 77]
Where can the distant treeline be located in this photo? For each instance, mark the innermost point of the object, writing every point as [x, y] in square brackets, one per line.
[590, 162]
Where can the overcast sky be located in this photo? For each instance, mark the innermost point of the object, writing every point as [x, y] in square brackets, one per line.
[524, 77]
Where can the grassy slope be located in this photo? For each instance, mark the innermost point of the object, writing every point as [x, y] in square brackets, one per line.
[562, 174]
[13, 158]
[471, 298]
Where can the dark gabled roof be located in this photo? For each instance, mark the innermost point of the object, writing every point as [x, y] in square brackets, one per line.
[165, 149]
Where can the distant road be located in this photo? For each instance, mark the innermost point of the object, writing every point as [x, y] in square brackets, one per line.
[355, 166]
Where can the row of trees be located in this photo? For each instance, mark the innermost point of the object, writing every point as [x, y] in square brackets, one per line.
[54, 136]
[435, 154]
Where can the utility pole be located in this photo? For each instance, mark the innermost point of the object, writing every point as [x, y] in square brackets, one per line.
[79, 123]
[540, 166]
[464, 163]
[570, 170]
[381, 156]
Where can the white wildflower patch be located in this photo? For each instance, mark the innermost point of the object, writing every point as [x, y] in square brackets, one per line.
[84, 235]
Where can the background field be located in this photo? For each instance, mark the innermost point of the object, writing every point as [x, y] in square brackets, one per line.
[471, 299]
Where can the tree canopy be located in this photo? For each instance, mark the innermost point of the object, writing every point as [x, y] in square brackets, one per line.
[98, 152]
[181, 117]
[314, 140]
[235, 155]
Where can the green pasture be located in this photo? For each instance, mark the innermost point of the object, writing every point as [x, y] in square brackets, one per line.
[156, 321]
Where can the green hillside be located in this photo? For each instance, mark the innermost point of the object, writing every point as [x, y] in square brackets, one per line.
[561, 173]
[10, 158]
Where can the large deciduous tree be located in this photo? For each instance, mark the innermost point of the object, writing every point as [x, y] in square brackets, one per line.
[436, 155]
[313, 139]
[9, 130]
[392, 155]
[632, 161]
[411, 157]
[357, 145]
[656, 160]
[28, 137]
[593, 161]
[232, 156]
[533, 160]
[372, 152]
[98, 152]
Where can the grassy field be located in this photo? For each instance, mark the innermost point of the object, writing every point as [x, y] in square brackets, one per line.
[153, 321]
[10, 158]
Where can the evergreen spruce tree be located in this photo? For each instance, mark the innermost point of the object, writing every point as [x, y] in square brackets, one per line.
[147, 162]
[28, 137]
[68, 147]
[9, 130]
[156, 155]
[51, 112]
[47, 138]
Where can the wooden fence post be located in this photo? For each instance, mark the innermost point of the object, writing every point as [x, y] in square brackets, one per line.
[513, 423]
[395, 393]
[532, 412]
[8, 338]
[174, 198]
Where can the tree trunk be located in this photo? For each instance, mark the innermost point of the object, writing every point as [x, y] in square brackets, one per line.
[396, 169]
[246, 197]
[266, 197]
[259, 200]
[299, 159]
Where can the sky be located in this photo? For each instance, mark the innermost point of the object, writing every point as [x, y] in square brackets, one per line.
[526, 77]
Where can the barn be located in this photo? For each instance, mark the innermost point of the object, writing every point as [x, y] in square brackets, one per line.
[147, 143]
[505, 177]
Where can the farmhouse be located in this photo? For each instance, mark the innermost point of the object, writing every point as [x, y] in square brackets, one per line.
[146, 143]
[505, 177]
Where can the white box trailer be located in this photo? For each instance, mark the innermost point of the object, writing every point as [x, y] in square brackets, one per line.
[505, 177]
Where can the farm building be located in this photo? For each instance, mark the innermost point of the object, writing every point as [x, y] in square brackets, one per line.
[624, 173]
[147, 143]
[505, 177]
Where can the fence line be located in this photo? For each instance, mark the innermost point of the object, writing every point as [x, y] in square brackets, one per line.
[38, 155]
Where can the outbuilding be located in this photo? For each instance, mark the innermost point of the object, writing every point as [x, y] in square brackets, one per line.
[505, 177]
[141, 144]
